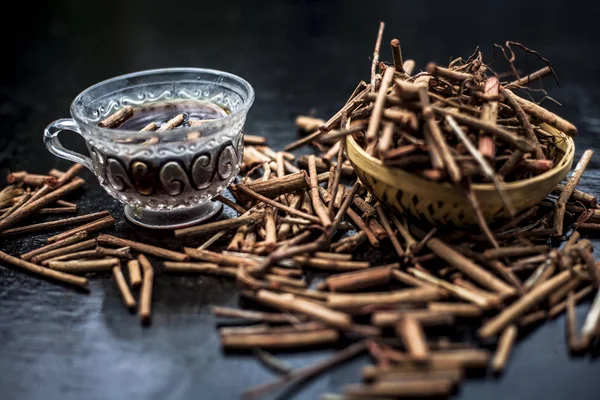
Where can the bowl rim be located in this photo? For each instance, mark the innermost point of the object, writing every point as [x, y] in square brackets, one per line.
[479, 187]
[125, 133]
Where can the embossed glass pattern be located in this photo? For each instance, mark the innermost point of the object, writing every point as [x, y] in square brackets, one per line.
[166, 179]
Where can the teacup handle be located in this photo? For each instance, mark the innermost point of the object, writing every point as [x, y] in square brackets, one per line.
[55, 147]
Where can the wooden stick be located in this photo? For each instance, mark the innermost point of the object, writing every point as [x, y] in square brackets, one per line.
[437, 138]
[505, 344]
[202, 268]
[57, 210]
[485, 166]
[254, 140]
[217, 226]
[16, 177]
[135, 274]
[335, 188]
[78, 237]
[410, 280]
[385, 141]
[469, 268]
[231, 204]
[78, 266]
[333, 256]
[305, 373]
[87, 244]
[142, 248]
[122, 253]
[515, 251]
[500, 133]
[560, 205]
[456, 375]
[64, 203]
[318, 205]
[409, 66]
[78, 255]
[90, 227]
[271, 362]
[280, 340]
[457, 291]
[277, 318]
[70, 174]
[404, 232]
[172, 123]
[571, 336]
[283, 280]
[506, 273]
[423, 316]
[390, 232]
[533, 318]
[275, 204]
[33, 206]
[592, 320]
[525, 124]
[271, 229]
[404, 296]
[511, 163]
[413, 337]
[526, 80]
[579, 196]
[45, 272]
[212, 240]
[463, 310]
[308, 124]
[436, 70]
[340, 135]
[289, 302]
[375, 119]
[275, 187]
[489, 114]
[220, 258]
[54, 224]
[305, 140]
[525, 303]
[432, 387]
[264, 328]
[548, 117]
[145, 310]
[151, 127]
[560, 307]
[358, 221]
[22, 200]
[560, 294]
[397, 55]
[375, 61]
[332, 265]
[123, 288]
[56, 173]
[357, 280]
[117, 118]
[543, 272]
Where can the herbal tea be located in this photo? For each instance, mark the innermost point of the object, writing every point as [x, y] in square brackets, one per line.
[164, 115]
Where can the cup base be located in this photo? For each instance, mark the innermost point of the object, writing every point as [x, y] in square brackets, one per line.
[173, 219]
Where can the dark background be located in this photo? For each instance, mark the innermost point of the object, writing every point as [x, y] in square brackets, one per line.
[301, 57]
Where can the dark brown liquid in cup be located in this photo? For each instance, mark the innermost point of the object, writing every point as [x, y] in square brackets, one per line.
[161, 112]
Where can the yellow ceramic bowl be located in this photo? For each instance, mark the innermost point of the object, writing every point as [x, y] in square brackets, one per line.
[442, 202]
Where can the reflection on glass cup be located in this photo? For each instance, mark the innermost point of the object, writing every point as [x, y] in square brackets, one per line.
[165, 179]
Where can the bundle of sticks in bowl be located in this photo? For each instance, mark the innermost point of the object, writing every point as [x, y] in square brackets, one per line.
[435, 300]
[459, 126]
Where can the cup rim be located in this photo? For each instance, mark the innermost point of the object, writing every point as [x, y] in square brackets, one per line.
[124, 133]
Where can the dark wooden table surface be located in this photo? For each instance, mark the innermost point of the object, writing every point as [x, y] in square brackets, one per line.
[301, 57]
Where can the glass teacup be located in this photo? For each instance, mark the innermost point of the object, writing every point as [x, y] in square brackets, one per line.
[165, 179]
